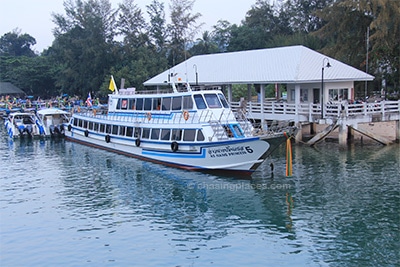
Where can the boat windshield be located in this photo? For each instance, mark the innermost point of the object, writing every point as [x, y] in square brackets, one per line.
[223, 100]
[212, 101]
[200, 102]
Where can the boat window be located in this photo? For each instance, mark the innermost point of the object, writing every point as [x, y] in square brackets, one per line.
[129, 131]
[165, 134]
[132, 103]
[75, 122]
[166, 103]
[212, 101]
[85, 124]
[102, 128]
[187, 102]
[138, 132]
[223, 100]
[96, 127]
[200, 102]
[176, 135]
[147, 103]
[177, 103]
[228, 130]
[122, 130]
[139, 104]
[118, 104]
[115, 129]
[156, 103]
[237, 130]
[189, 134]
[108, 129]
[124, 103]
[155, 134]
[146, 133]
[200, 136]
[90, 125]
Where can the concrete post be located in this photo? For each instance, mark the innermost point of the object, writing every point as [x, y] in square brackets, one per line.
[343, 129]
[299, 135]
[249, 92]
[350, 134]
[230, 98]
[313, 128]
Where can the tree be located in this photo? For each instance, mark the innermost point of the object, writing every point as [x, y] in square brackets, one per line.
[84, 45]
[16, 44]
[222, 34]
[157, 29]
[345, 33]
[204, 45]
[131, 24]
[301, 14]
[182, 29]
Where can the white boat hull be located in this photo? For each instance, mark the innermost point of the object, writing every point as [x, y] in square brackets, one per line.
[243, 155]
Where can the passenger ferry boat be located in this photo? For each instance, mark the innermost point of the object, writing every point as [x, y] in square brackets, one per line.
[183, 128]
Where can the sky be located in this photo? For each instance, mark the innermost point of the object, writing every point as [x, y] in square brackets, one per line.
[34, 16]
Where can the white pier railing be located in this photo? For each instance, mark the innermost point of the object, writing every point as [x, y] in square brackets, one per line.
[309, 112]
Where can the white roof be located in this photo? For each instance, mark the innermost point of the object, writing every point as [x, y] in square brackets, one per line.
[290, 64]
[51, 111]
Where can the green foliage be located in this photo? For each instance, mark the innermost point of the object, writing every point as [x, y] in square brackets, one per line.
[85, 51]
[16, 44]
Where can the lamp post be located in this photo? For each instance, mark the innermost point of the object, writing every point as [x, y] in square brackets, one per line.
[328, 65]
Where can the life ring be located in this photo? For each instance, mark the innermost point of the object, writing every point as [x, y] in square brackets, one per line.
[86, 133]
[148, 115]
[137, 142]
[107, 138]
[186, 115]
[174, 146]
[69, 127]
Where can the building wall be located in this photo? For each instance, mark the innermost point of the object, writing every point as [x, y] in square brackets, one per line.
[310, 92]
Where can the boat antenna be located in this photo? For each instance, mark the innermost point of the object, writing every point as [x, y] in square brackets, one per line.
[172, 80]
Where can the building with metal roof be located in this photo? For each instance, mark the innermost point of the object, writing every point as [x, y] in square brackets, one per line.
[303, 70]
[289, 65]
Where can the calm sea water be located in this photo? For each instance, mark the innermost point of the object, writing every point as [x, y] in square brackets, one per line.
[64, 204]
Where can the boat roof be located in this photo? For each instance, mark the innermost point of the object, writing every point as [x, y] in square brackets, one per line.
[51, 111]
[163, 93]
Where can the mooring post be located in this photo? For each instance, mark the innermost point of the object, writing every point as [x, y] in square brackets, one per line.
[350, 134]
[398, 131]
[299, 135]
[343, 129]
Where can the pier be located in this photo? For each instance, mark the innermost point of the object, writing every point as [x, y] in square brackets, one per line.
[342, 115]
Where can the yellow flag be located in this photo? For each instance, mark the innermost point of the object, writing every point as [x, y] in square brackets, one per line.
[112, 85]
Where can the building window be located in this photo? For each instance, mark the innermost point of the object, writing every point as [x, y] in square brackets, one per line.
[304, 95]
[338, 94]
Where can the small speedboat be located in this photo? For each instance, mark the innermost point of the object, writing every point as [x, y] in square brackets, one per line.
[23, 124]
[54, 121]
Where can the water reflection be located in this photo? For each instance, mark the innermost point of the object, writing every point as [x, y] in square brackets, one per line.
[340, 208]
[174, 199]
